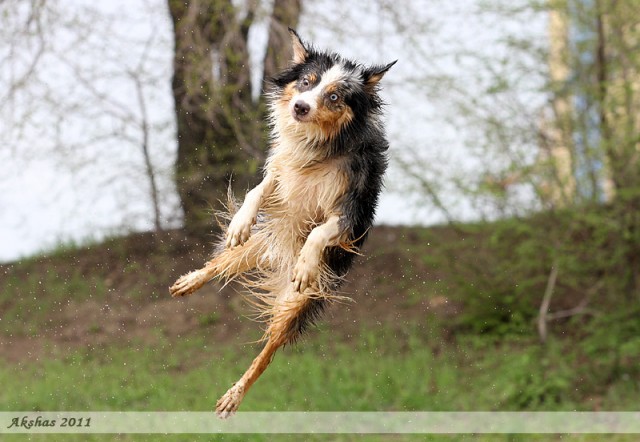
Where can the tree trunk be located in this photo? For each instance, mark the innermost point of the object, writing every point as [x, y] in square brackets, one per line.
[286, 14]
[619, 68]
[221, 131]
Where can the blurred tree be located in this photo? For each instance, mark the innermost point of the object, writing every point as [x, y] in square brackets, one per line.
[551, 125]
[616, 51]
[593, 127]
[551, 122]
[23, 32]
[221, 129]
[86, 125]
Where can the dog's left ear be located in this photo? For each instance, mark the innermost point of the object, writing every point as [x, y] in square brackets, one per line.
[300, 52]
[372, 75]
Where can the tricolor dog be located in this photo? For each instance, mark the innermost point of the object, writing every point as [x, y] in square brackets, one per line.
[295, 236]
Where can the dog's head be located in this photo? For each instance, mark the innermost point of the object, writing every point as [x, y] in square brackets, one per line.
[325, 91]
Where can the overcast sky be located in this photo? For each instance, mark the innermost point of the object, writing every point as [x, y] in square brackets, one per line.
[97, 189]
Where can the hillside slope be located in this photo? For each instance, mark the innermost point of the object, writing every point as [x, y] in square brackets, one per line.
[439, 320]
[117, 291]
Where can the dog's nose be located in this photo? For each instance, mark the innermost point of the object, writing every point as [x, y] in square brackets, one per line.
[301, 108]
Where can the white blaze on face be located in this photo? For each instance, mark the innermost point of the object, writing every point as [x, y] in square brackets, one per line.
[313, 97]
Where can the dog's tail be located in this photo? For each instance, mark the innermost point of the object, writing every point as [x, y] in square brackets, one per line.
[292, 317]
[287, 313]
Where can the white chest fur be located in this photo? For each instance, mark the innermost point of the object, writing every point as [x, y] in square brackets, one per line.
[308, 192]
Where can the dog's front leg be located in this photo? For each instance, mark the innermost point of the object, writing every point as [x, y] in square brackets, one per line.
[240, 227]
[307, 269]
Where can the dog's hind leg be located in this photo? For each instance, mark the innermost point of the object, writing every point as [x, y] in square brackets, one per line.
[242, 251]
[291, 313]
[227, 264]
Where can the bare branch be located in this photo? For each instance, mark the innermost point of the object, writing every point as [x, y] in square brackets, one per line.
[546, 301]
[144, 145]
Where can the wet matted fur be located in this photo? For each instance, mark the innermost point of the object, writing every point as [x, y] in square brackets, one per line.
[296, 234]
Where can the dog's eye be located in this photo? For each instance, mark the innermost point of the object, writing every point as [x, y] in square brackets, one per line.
[333, 97]
[305, 82]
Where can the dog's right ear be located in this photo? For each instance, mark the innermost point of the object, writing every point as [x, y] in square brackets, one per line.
[300, 52]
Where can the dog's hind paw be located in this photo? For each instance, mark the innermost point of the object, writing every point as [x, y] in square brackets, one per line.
[228, 404]
[305, 273]
[187, 284]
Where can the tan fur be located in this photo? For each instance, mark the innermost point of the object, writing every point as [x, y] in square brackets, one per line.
[226, 265]
[275, 243]
[289, 92]
[324, 125]
[331, 121]
[299, 51]
[301, 192]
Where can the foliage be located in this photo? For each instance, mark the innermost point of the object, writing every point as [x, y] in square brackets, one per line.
[553, 136]
[502, 284]
[79, 113]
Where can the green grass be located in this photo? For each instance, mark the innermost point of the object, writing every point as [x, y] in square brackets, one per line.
[407, 370]
[430, 362]
[35, 295]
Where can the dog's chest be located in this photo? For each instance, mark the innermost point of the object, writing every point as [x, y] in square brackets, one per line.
[310, 192]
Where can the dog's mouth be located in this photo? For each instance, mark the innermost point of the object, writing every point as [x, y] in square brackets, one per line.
[301, 118]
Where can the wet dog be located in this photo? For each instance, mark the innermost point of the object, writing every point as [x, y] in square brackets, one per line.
[296, 234]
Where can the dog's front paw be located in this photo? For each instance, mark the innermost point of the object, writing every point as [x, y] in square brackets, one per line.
[240, 229]
[305, 273]
[228, 404]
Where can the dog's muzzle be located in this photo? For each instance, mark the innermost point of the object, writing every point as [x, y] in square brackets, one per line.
[301, 110]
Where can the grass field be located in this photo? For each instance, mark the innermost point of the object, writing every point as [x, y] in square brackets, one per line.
[383, 371]
[61, 352]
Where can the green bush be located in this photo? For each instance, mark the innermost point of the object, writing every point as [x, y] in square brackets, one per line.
[502, 284]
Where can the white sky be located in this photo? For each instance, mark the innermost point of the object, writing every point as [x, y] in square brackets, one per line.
[97, 189]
